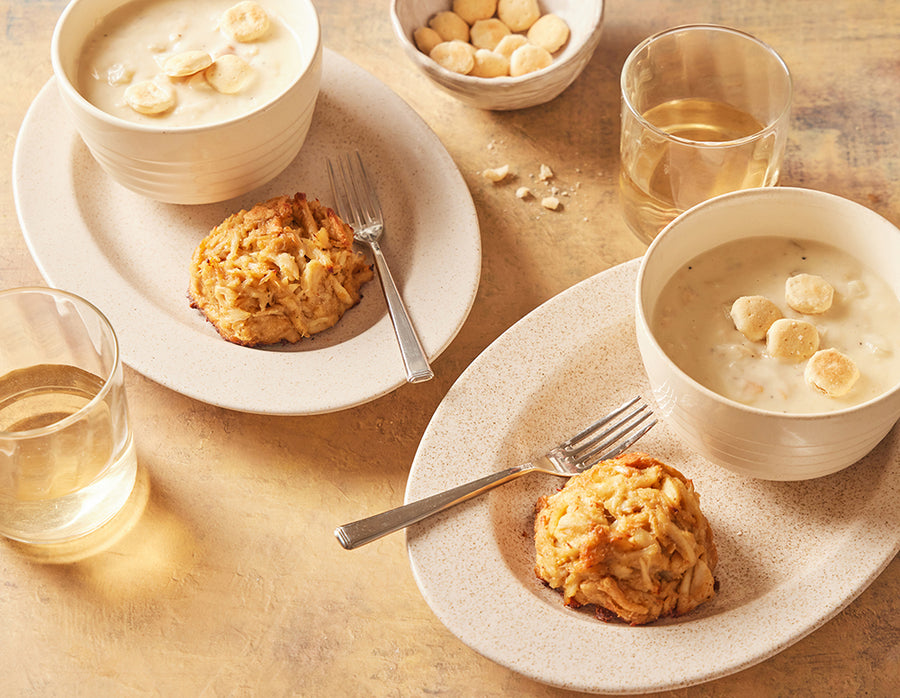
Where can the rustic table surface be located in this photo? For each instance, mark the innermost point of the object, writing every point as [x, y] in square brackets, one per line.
[230, 582]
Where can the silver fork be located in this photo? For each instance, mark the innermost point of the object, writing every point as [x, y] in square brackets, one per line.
[357, 203]
[615, 432]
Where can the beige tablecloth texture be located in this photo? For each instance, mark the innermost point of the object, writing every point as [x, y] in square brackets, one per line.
[230, 583]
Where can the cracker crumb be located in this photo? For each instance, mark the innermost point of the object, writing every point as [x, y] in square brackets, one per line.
[546, 173]
[550, 202]
[496, 174]
[523, 193]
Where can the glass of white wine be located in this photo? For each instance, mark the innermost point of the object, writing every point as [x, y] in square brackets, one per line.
[705, 111]
[67, 457]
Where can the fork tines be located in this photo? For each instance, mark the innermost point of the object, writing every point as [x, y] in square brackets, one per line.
[588, 447]
[355, 198]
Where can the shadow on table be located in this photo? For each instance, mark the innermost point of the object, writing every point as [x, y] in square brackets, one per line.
[132, 555]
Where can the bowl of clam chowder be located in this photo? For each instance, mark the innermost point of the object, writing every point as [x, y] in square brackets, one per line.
[189, 102]
[766, 322]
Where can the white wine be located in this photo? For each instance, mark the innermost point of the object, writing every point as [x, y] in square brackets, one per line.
[706, 152]
[60, 479]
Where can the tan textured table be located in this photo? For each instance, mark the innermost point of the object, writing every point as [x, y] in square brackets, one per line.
[230, 582]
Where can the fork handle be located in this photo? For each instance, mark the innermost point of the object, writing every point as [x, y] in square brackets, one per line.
[414, 359]
[353, 535]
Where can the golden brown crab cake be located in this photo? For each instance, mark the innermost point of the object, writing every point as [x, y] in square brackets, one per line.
[628, 537]
[284, 270]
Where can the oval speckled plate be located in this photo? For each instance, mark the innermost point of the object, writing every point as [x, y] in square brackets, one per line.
[791, 554]
[129, 255]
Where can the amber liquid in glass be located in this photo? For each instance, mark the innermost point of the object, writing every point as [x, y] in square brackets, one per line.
[705, 156]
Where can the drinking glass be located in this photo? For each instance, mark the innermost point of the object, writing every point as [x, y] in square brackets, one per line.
[67, 457]
[705, 111]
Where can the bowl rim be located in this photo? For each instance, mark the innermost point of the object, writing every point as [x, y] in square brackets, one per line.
[428, 65]
[73, 95]
[699, 209]
[772, 124]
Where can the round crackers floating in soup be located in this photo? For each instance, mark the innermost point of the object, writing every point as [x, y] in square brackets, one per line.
[246, 21]
[186, 63]
[831, 372]
[808, 293]
[229, 74]
[149, 97]
[753, 316]
[793, 340]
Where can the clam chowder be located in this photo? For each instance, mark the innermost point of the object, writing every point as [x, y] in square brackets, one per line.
[844, 350]
[182, 63]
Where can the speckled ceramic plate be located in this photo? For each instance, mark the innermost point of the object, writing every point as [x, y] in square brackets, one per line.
[129, 255]
[791, 555]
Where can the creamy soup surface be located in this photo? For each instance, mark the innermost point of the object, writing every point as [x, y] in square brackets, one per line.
[693, 324]
[131, 46]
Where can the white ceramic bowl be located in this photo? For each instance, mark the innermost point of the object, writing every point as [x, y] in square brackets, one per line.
[584, 17]
[193, 164]
[747, 440]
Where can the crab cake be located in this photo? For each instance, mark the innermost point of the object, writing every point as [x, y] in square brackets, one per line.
[284, 270]
[628, 537]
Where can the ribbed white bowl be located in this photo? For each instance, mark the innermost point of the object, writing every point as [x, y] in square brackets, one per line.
[195, 164]
[747, 440]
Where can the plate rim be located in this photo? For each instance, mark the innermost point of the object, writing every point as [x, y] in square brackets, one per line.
[434, 533]
[137, 351]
